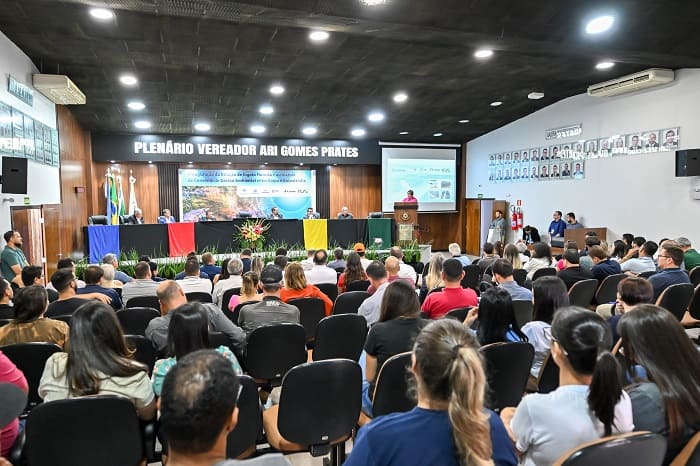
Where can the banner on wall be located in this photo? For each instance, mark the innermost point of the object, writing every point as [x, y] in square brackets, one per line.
[567, 161]
[226, 193]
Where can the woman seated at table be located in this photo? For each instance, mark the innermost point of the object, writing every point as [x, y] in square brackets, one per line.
[249, 291]
[98, 362]
[353, 272]
[295, 287]
[29, 324]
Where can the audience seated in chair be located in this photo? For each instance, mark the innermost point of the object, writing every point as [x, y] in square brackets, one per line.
[589, 402]
[198, 410]
[193, 282]
[541, 258]
[496, 318]
[68, 301]
[353, 271]
[450, 425]
[453, 295]
[171, 296]
[644, 262]
[503, 275]
[670, 273]
[456, 253]
[33, 275]
[296, 286]
[369, 309]
[10, 374]
[249, 291]
[394, 333]
[603, 266]
[141, 285]
[118, 274]
[573, 272]
[432, 276]
[653, 338]
[108, 280]
[631, 292]
[29, 324]
[7, 311]
[405, 271]
[188, 332]
[98, 362]
[93, 284]
[338, 262]
[319, 271]
[234, 270]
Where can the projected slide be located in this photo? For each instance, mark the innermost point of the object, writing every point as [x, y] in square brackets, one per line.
[227, 192]
[430, 173]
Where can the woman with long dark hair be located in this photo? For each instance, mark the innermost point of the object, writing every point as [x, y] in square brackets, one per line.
[98, 362]
[548, 295]
[667, 401]
[541, 259]
[188, 332]
[394, 333]
[589, 402]
[450, 425]
[353, 271]
[619, 250]
[497, 318]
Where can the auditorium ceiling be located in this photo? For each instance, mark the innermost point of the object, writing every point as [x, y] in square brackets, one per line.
[214, 61]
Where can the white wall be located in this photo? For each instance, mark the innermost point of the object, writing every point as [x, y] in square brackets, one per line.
[43, 181]
[636, 194]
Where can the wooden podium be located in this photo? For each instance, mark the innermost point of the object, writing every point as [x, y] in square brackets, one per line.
[406, 218]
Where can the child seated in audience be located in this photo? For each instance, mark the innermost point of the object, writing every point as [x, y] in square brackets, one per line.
[589, 402]
[98, 362]
[188, 331]
[667, 401]
[450, 425]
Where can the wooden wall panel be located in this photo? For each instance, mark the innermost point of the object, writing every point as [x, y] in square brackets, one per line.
[359, 187]
[146, 186]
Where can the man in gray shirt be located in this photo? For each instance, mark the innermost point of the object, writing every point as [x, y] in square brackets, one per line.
[198, 411]
[271, 310]
[171, 297]
[142, 285]
[572, 223]
[377, 275]
[503, 275]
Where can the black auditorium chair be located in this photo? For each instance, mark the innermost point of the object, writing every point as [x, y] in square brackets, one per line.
[582, 292]
[607, 290]
[134, 320]
[523, 311]
[226, 297]
[694, 275]
[143, 301]
[233, 315]
[143, 350]
[507, 367]
[349, 302]
[311, 311]
[329, 289]
[675, 299]
[241, 441]
[694, 305]
[472, 276]
[459, 313]
[31, 358]
[548, 378]
[357, 285]
[340, 336]
[98, 220]
[273, 350]
[520, 276]
[544, 272]
[199, 297]
[391, 387]
[637, 448]
[319, 407]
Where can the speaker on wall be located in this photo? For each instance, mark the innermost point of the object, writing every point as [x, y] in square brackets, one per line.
[14, 175]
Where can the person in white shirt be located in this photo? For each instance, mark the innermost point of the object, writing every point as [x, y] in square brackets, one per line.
[378, 278]
[405, 270]
[235, 280]
[141, 285]
[643, 263]
[456, 253]
[589, 403]
[309, 261]
[320, 272]
[192, 282]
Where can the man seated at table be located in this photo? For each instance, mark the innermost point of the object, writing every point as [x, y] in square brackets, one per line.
[271, 310]
[275, 214]
[311, 215]
[207, 216]
[165, 217]
[453, 296]
[136, 218]
[344, 214]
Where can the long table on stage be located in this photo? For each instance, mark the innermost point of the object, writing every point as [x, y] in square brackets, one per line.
[153, 239]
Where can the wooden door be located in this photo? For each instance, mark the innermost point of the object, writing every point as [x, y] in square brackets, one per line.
[53, 236]
[27, 221]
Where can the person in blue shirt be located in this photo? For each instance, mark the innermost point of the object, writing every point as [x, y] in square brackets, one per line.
[166, 217]
[557, 226]
[670, 273]
[450, 425]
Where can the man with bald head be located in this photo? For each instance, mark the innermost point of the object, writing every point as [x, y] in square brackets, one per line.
[171, 296]
[405, 270]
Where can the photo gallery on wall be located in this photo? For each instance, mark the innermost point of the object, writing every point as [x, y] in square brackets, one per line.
[567, 161]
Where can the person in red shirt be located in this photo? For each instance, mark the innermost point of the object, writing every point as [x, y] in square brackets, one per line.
[295, 287]
[453, 296]
[10, 374]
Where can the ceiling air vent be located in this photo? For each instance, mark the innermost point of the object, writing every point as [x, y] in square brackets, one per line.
[59, 89]
[633, 82]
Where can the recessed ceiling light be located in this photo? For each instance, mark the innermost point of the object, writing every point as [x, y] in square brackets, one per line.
[604, 65]
[309, 130]
[136, 105]
[375, 117]
[496, 103]
[101, 13]
[483, 53]
[267, 109]
[202, 126]
[463, 121]
[257, 129]
[358, 132]
[150, 162]
[599, 24]
[403, 133]
[190, 163]
[400, 97]
[228, 163]
[437, 135]
[373, 2]
[535, 95]
[318, 36]
[142, 124]
[112, 161]
[276, 89]
[128, 79]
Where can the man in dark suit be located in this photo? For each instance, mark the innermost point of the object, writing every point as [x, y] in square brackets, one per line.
[137, 218]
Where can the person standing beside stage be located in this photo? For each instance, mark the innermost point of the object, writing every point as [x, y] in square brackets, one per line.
[165, 217]
[409, 197]
[12, 258]
[498, 224]
[344, 214]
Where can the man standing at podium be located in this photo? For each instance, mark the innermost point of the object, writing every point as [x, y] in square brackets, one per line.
[409, 197]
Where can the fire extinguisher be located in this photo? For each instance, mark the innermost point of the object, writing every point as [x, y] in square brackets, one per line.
[520, 218]
[513, 220]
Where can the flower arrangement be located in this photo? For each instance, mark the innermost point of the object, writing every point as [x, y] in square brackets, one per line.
[251, 234]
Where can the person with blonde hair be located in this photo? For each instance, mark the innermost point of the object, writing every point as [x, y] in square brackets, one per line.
[249, 291]
[512, 255]
[295, 287]
[450, 425]
[432, 278]
[108, 280]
